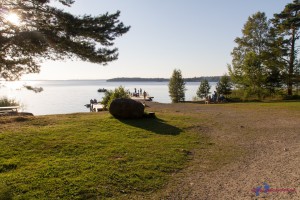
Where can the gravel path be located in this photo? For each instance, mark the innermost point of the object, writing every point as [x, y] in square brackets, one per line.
[270, 136]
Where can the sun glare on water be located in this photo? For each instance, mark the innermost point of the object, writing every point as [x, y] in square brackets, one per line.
[13, 18]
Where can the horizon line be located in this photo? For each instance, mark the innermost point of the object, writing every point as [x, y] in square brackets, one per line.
[86, 79]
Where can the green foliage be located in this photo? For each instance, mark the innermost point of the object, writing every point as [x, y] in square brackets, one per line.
[203, 89]
[254, 77]
[110, 95]
[177, 87]
[46, 32]
[293, 97]
[265, 59]
[106, 98]
[224, 86]
[4, 101]
[247, 70]
[240, 95]
[92, 156]
[257, 60]
[287, 26]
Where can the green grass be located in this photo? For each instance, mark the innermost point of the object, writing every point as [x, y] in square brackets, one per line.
[91, 156]
[95, 156]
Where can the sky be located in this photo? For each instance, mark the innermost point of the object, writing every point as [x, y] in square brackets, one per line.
[195, 36]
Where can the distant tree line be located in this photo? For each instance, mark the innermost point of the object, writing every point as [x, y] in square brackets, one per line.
[136, 79]
[195, 79]
[199, 79]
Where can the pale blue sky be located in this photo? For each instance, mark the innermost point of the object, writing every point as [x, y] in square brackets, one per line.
[196, 36]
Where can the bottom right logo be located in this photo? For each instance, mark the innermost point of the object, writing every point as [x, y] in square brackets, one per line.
[266, 189]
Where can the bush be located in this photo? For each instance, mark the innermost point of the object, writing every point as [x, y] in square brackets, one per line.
[106, 98]
[239, 95]
[4, 101]
[110, 95]
[293, 97]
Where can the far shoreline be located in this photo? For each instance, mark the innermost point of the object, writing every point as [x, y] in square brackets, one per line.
[127, 79]
[138, 79]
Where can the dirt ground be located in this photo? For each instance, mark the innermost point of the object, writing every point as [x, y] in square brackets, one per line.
[269, 138]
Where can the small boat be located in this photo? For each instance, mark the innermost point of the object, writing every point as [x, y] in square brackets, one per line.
[102, 90]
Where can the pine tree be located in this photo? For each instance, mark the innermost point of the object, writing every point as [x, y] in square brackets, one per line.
[224, 86]
[203, 89]
[273, 62]
[46, 32]
[287, 23]
[177, 87]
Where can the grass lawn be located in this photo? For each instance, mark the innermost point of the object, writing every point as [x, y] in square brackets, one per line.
[92, 156]
[95, 156]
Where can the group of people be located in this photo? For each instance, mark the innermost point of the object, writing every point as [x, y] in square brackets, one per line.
[215, 98]
[138, 93]
[93, 101]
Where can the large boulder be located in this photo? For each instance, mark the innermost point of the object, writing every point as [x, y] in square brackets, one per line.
[126, 108]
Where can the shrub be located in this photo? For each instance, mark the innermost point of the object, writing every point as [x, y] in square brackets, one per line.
[293, 97]
[106, 98]
[110, 95]
[4, 101]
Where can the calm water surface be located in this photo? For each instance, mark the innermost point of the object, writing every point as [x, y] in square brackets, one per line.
[60, 97]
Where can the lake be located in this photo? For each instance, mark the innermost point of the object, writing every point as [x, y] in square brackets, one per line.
[70, 96]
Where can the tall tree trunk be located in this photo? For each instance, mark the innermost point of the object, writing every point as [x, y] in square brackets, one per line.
[291, 64]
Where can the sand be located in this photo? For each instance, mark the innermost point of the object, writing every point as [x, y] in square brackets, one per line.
[269, 138]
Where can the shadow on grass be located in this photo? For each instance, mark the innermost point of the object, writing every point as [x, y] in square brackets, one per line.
[154, 125]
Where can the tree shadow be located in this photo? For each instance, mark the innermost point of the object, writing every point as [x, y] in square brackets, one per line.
[154, 125]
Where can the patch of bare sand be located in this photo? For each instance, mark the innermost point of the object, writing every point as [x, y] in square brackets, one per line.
[271, 138]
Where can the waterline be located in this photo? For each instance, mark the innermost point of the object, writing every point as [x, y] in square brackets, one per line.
[61, 97]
